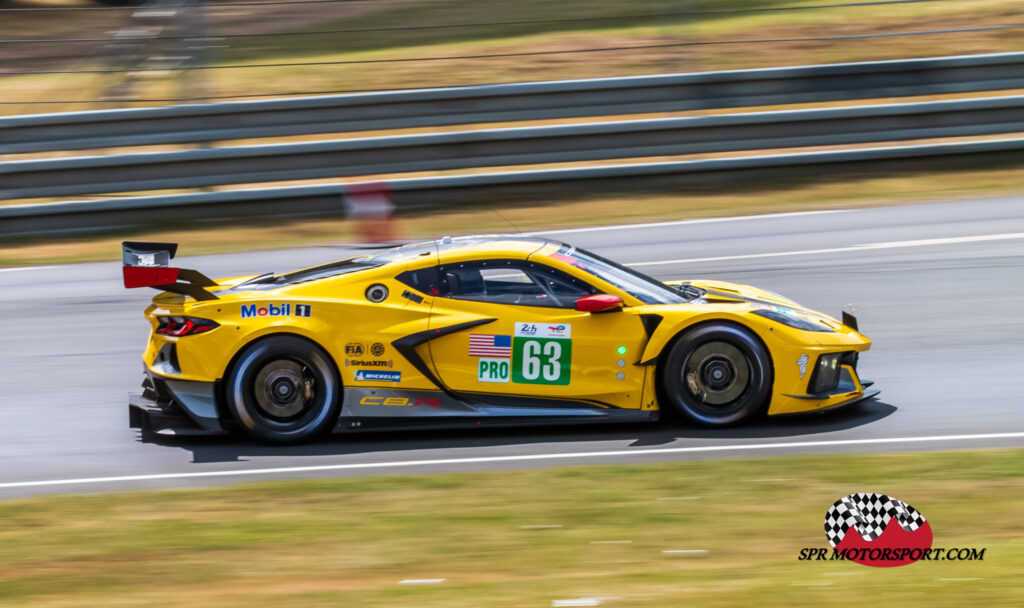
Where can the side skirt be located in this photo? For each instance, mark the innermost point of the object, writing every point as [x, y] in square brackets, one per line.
[369, 424]
[383, 409]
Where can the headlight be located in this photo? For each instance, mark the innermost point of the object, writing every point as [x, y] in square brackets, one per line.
[792, 320]
[825, 376]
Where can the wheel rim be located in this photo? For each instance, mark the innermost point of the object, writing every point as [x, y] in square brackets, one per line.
[284, 390]
[716, 375]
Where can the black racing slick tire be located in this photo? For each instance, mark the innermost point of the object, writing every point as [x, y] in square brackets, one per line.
[283, 389]
[717, 375]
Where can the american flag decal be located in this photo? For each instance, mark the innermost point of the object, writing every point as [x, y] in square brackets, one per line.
[490, 345]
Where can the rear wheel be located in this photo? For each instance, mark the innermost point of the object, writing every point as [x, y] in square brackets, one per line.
[717, 375]
[283, 389]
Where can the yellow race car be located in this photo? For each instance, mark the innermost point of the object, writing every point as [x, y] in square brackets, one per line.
[474, 331]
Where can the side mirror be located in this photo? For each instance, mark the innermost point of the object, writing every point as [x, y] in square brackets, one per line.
[602, 302]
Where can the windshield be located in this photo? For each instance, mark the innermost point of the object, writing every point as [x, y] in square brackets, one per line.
[636, 284]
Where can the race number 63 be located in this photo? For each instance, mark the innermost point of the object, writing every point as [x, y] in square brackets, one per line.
[541, 360]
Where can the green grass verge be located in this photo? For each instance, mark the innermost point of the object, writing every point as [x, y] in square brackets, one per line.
[348, 542]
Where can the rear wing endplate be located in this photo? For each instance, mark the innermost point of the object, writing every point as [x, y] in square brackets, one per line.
[148, 265]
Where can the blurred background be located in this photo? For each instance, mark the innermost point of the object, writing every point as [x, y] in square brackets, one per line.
[275, 95]
[61, 55]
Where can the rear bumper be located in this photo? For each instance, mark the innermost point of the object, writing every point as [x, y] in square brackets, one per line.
[175, 407]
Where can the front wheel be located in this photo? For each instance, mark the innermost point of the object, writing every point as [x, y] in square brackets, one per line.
[717, 375]
[283, 389]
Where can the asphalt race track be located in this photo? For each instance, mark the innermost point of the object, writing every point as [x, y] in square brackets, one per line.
[939, 288]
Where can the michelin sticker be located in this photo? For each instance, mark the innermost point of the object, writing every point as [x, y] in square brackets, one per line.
[541, 353]
[378, 376]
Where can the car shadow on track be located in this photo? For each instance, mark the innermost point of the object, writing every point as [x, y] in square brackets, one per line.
[235, 449]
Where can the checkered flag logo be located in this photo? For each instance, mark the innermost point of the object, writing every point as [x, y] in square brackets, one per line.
[869, 513]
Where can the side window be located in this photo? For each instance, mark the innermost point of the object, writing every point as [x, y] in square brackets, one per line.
[498, 284]
[563, 287]
[512, 282]
[424, 280]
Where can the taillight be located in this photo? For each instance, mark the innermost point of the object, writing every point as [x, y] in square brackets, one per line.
[184, 326]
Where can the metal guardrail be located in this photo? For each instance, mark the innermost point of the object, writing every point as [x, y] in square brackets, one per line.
[509, 102]
[510, 147]
[412, 193]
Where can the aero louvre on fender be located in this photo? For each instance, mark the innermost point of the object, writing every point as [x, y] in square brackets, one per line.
[406, 346]
[651, 323]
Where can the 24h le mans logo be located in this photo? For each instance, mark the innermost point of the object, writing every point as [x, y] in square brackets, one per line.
[877, 530]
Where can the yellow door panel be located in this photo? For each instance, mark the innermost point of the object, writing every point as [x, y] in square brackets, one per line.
[533, 351]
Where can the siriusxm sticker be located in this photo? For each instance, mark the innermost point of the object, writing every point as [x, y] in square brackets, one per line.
[377, 376]
[276, 310]
[369, 363]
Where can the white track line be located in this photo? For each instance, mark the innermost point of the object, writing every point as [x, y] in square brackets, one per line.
[513, 458]
[867, 247]
[17, 268]
[707, 220]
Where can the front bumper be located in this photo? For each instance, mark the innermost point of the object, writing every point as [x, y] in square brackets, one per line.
[175, 408]
[848, 389]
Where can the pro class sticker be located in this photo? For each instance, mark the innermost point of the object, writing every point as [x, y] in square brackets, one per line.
[490, 369]
[542, 353]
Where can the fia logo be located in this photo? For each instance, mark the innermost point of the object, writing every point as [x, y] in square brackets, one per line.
[354, 349]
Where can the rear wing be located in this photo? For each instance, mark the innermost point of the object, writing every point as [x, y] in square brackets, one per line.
[147, 265]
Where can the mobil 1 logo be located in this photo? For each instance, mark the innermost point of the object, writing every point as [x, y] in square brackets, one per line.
[542, 353]
[276, 310]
